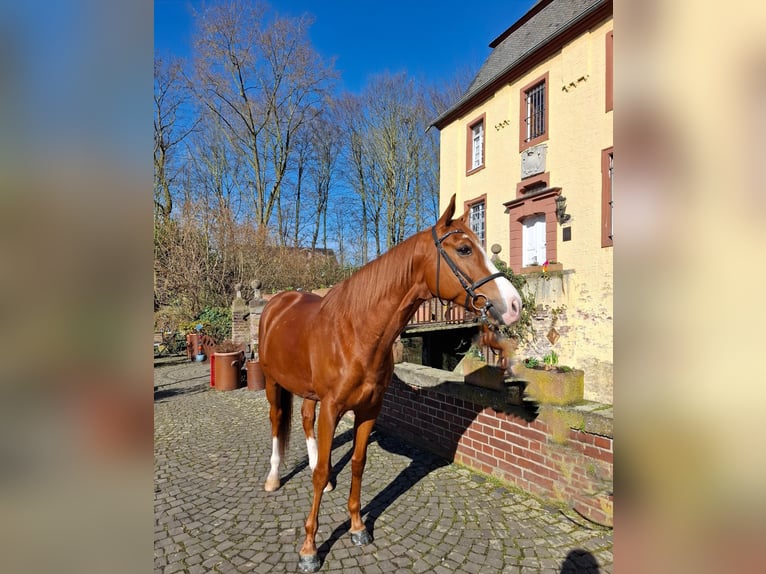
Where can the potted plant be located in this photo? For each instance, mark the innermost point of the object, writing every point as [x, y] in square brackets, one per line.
[229, 358]
[551, 383]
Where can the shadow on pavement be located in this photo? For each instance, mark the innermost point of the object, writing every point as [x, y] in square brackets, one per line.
[421, 464]
[161, 394]
[338, 441]
[580, 561]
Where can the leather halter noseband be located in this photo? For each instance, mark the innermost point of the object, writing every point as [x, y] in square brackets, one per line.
[467, 283]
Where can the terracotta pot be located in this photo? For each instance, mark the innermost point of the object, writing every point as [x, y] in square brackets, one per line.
[255, 380]
[193, 346]
[228, 367]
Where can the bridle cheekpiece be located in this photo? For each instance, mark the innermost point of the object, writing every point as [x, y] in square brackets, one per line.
[468, 284]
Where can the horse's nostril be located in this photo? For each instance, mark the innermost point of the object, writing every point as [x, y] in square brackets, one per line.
[516, 306]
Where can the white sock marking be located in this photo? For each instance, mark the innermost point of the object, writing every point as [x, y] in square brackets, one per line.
[311, 447]
[275, 459]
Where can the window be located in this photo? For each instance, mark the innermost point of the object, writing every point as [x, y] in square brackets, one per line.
[607, 200]
[534, 113]
[609, 70]
[476, 220]
[475, 145]
[533, 240]
[535, 120]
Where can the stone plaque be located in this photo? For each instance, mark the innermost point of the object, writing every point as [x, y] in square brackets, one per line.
[533, 160]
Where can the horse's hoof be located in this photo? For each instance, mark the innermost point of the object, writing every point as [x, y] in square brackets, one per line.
[361, 538]
[271, 485]
[309, 563]
[329, 487]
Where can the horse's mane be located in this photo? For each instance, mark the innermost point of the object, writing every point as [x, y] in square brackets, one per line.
[373, 282]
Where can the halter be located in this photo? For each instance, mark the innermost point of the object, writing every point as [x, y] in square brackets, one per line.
[467, 283]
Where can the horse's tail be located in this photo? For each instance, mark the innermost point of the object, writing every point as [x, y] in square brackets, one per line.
[285, 420]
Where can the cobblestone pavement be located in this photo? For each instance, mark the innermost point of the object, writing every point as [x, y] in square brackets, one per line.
[211, 513]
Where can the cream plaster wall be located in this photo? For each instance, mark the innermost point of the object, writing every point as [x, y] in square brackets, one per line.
[579, 129]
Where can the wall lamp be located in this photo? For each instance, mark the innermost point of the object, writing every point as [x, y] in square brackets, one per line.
[561, 210]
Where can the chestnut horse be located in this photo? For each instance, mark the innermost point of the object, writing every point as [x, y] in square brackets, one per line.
[337, 349]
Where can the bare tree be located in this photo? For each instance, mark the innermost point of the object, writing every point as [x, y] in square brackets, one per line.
[259, 73]
[325, 143]
[170, 128]
[386, 130]
[351, 121]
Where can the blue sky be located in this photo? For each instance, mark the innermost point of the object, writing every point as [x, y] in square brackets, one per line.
[429, 40]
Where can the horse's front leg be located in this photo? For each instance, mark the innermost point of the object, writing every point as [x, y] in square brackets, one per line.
[328, 420]
[363, 423]
[308, 415]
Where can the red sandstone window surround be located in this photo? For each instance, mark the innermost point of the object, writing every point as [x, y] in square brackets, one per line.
[540, 204]
[533, 183]
[609, 70]
[607, 172]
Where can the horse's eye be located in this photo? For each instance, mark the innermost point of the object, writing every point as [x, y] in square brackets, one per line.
[464, 250]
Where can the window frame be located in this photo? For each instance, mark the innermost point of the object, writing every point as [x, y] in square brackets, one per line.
[468, 206]
[607, 207]
[542, 201]
[523, 117]
[609, 72]
[469, 167]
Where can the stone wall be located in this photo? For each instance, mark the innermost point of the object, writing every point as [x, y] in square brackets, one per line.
[564, 454]
[240, 332]
[583, 320]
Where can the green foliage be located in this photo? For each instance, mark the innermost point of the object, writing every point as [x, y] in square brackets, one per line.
[551, 359]
[216, 322]
[522, 330]
[548, 362]
[475, 352]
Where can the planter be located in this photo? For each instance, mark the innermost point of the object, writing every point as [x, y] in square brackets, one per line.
[539, 268]
[228, 370]
[552, 387]
[477, 372]
[194, 346]
[255, 380]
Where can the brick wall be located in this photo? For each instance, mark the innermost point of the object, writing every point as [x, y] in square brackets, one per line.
[531, 448]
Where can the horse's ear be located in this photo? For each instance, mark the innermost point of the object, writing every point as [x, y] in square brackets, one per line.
[446, 217]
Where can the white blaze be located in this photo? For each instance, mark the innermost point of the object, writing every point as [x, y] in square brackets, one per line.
[508, 292]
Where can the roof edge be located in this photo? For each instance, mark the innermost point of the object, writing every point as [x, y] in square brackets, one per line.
[533, 56]
[537, 7]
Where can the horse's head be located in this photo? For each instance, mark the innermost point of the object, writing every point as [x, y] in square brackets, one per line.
[462, 272]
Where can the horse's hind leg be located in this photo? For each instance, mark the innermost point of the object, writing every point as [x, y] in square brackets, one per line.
[308, 415]
[279, 414]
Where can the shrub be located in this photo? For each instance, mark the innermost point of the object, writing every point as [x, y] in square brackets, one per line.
[216, 322]
[522, 330]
